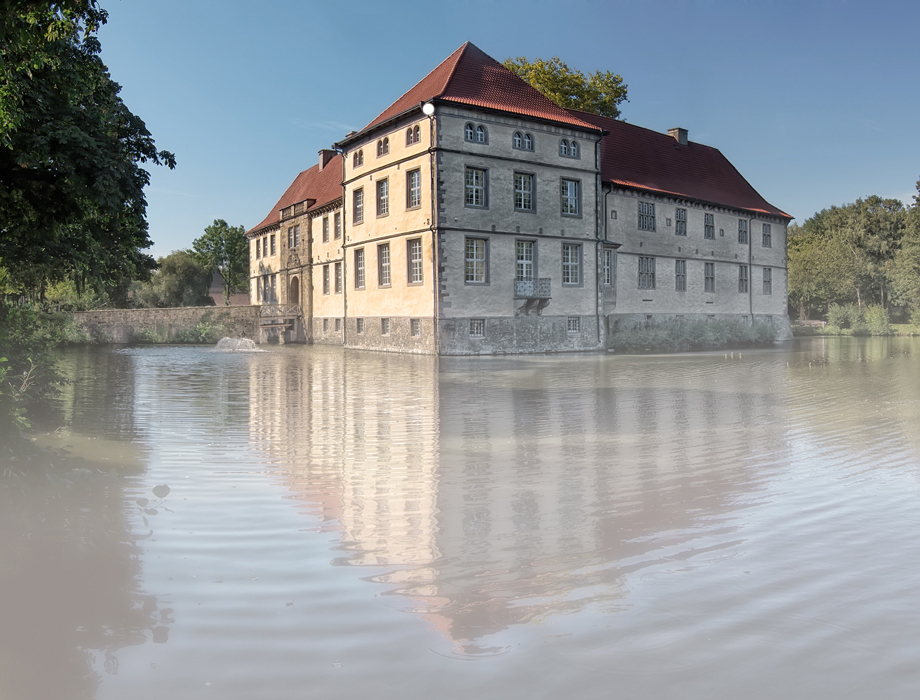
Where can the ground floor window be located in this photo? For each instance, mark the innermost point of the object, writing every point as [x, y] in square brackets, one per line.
[477, 328]
[415, 327]
[359, 324]
[384, 326]
[646, 273]
[573, 324]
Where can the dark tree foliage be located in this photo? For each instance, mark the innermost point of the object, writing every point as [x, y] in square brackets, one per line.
[181, 279]
[72, 199]
[224, 248]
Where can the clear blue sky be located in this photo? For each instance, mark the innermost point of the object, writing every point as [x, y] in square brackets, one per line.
[816, 103]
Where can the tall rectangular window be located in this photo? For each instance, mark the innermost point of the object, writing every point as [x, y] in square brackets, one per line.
[258, 249]
[297, 235]
[290, 236]
[525, 261]
[475, 263]
[475, 187]
[272, 239]
[767, 237]
[742, 231]
[607, 270]
[325, 279]
[523, 192]
[358, 212]
[359, 268]
[742, 279]
[680, 222]
[767, 281]
[646, 216]
[338, 278]
[709, 226]
[383, 197]
[384, 326]
[415, 327]
[338, 225]
[383, 265]
[680, 275]
[646, 273]
[709, 277]
[571, 263]
[415, 260]
[325, 229]
[569, 194]
[413, 189]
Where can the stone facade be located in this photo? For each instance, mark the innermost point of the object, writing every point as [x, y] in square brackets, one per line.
[169, 325]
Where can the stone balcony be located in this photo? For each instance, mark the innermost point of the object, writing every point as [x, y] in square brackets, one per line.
[535, 294]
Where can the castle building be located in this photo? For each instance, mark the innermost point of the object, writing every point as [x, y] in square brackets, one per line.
[475, 216]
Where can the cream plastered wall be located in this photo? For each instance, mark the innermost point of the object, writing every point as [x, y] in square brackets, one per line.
[269, 264]
[724, 250]
[396, 228]
[501, 225]
[327, 253]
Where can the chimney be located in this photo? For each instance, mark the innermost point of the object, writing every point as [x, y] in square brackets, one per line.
[325, 155]
[679, 135]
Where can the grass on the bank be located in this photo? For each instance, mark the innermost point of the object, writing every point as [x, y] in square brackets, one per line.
[682, 336]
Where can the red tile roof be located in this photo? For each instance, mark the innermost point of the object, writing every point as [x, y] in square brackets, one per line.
[322, 187]
[471, 77]
[633, 156]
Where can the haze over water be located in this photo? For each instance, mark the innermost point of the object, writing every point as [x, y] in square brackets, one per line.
[341, 524]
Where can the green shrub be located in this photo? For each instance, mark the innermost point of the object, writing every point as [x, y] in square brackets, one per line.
[915, 317]
[876, 320]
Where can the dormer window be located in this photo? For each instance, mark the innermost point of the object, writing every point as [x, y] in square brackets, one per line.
[383, 146]
[358, 159]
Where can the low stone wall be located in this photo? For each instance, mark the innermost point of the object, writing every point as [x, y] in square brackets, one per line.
[186, 324]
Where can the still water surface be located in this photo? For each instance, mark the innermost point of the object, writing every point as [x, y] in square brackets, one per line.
[342, 525]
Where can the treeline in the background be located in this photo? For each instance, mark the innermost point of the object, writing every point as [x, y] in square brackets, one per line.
[846, 261]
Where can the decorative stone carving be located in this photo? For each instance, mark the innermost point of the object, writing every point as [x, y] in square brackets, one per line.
[293, 260]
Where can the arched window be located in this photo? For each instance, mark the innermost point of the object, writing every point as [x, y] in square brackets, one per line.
[573, 149]
[417, 134]
[358, 159]
[468, 130]
[518, 140]
[563, 148]
[361, 157]
[409, 138]
[383, 146]
[379, 148]
[528, 142]
[481, 134]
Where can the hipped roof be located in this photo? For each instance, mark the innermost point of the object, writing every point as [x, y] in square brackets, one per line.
[322, 186]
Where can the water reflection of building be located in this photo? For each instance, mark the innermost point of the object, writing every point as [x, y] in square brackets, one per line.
[497, 493]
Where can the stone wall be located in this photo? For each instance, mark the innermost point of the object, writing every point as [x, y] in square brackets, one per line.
[170, 325]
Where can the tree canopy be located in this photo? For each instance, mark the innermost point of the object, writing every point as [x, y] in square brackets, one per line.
[224, 248]
[72, 199]
[600, 92]
[181, 279]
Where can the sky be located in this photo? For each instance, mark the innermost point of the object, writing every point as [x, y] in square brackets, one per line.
[815, 103]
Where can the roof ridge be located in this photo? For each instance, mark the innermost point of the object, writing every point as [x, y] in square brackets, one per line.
[453, 68]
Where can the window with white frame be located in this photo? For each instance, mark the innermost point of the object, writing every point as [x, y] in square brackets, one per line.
[383, 265]
[646, 273]
[742, 231]
[413, 135]
[524, 270]
[573, 149]
[709, 226]
[358, 209]
[338, 278]
[480, 134]
[528, 142]
[571, 264]
[607, 267]
[325, 229]
[383, 146]
[415, 260]
[680, 275]
[359, 268]
[767, 236]
[338, 225]
[709, 277]
[573, 324]
[563, 147]
[469, 133]
[475, 187]
[358, 159]
[290, 236]
[523, 191]
[569, 197]
[742, 279]
[296, 235]
[325, 279]
[518, 139]
[767, 281]
[646, 216]
[413, 189]
[475, 262]
[383, 197]
[477, 328]
[680, 222]
[272, 239]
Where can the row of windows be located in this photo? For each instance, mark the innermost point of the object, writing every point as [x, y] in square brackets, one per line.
[415, 326]
[646, 222]
[413, 135]
[263, 243]
[267, 288]
[520, 140]
[647, 278]
[476, 261]
[413, 196]
[478, 326]
[337, 231]
[414, 267]
[476, 192]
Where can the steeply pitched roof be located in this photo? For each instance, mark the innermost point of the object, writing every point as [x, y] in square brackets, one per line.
[633, 156]
[471, 77]
[322, 187]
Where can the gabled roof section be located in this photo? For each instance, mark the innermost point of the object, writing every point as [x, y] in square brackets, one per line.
[321, 186]
[633, 156]
[471, 77]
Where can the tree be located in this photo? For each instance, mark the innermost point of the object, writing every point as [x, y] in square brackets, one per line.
[905, 270]
[180, 280]
[72, 203]
[599, 93]
[224, 248]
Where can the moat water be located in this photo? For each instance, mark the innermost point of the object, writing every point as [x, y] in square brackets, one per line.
[309, 522]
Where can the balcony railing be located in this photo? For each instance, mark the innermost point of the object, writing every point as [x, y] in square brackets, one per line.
[279, 310]
[533, 289]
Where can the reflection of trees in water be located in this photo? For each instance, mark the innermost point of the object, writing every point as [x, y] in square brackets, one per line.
[69, 595]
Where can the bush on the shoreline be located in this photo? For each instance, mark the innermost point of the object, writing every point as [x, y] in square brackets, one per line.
[681, 336]
[850, 319]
